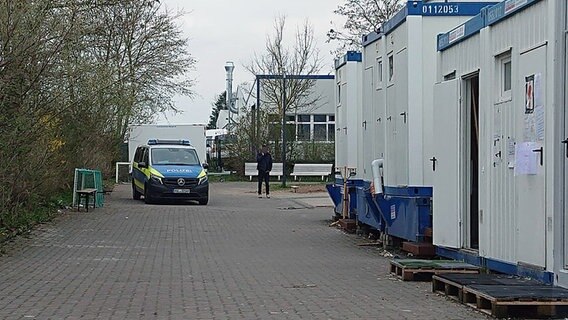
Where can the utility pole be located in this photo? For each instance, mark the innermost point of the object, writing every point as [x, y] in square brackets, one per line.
[283, 127]
[229, 67]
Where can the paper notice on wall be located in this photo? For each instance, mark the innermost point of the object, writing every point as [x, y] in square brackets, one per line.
[496, 123]
[526, 160]
[510, 153]
[539, 122]
[538, 91]
[529, 130]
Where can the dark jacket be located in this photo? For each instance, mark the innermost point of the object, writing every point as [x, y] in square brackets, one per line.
[264, 162]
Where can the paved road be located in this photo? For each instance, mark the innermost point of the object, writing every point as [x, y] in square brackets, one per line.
[238, 258]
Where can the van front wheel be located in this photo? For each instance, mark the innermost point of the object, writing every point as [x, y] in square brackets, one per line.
[147, 197]
[135, 194]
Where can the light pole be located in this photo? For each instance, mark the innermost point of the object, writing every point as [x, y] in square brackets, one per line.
[229, 67]
[283, 127]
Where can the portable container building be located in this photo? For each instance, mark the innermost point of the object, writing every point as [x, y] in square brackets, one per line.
[500, 158]
[399, 65]
[399, 71]
[348, 109]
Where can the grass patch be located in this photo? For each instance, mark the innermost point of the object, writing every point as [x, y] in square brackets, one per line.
[24, 218]
[226, 178]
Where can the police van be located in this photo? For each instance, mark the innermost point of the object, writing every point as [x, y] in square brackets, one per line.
[169, 170]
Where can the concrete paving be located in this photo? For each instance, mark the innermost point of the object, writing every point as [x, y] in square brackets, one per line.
[240, 257]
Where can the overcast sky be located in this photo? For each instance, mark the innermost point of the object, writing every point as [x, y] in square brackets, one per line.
[233, 30]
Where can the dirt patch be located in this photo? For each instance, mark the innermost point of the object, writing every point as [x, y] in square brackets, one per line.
[309, 188]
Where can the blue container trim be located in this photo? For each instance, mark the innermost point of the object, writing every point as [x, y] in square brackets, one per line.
[496, 265]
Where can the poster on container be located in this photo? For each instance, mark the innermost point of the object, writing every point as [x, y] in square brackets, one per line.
[526, 160]
[529, 94]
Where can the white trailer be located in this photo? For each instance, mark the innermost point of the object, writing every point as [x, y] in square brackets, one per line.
[348, 110]
[399, 70]
[500, 130]
[140, 134]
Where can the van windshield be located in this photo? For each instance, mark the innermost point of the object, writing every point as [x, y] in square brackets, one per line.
[174, 156]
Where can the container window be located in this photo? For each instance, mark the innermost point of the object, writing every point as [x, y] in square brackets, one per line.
[450, 76]
[507, 76]
[391, 68]
[379, 73]
[505, 68]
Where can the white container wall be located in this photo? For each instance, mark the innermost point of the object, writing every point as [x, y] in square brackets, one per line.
[348, 109]
[509, 77]
[399, 70]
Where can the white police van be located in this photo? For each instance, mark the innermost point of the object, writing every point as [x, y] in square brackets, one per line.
[169, 170]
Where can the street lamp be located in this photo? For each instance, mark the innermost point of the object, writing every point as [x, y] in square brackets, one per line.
[283, 127]
[229, 67]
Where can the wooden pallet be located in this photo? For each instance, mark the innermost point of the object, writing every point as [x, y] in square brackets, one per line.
[348, 225]
[504, 301]
[423, 270]
[452, 285]
[447, 287]
[419, 249]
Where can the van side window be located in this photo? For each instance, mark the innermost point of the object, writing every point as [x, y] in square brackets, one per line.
[137, 154]
[145, 155]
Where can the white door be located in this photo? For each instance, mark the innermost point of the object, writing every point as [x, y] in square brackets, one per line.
[401, 115]
[444, 164]
[367, 123]
[565, 142]
[531, 204]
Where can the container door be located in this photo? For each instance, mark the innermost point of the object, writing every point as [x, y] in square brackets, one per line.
[444, 164]
[531, 208]
[565, 142]
[367, 123]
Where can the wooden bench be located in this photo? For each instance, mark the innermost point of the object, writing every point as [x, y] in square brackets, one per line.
[312, 170]
[250, 170]
[86, 193]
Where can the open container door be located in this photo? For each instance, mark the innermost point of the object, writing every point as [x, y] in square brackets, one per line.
[445, 165]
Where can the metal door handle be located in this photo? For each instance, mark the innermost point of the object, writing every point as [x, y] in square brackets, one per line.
[389, 118]
[379, 120]
[540, 150]
[433, 159]
[565, 141]
[404, 115]
[364, 124]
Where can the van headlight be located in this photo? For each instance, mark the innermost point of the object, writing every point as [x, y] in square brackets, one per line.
[202, 180]
[156, 179]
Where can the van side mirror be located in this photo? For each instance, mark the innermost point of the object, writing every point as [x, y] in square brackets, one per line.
[142, 164]
[205, 166]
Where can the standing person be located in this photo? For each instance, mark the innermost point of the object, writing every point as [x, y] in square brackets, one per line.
[264, 166]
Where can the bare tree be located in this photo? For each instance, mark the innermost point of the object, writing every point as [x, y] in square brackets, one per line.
[300, 58]
[73, 75]
[362, 17]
